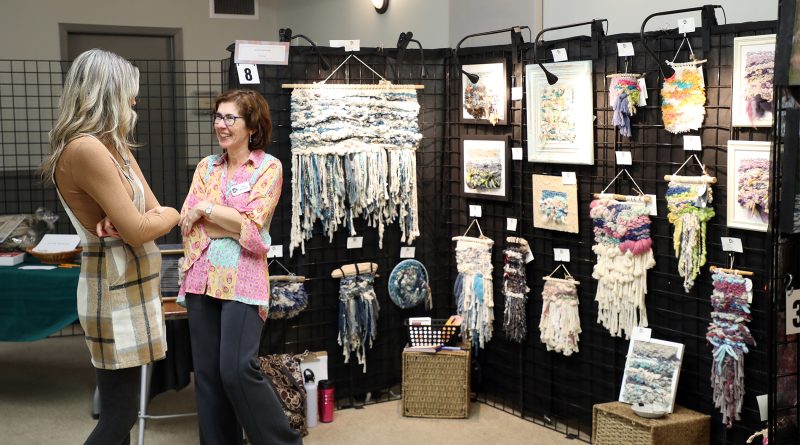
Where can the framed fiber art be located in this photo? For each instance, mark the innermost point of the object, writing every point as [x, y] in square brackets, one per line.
[484, 167]
[748, 185]
[486, 101]
[651, 373]
[555, 204]
[560, 119]
[753, 69]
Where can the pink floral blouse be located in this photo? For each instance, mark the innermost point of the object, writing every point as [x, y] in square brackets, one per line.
[224, 268]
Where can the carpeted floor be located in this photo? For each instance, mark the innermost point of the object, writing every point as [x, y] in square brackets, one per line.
[46, 395]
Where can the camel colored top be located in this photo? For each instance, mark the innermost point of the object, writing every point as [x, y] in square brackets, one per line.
[92, 185]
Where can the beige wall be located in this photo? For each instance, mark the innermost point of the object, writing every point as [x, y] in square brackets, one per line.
[29, 28]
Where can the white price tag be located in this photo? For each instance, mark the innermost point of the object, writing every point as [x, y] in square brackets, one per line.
[561, 255]
[642, 92]
[568, 178]
[407, 252]
[516, 93]
[516, 153]
[559, 54]
[653, 205]
[528, 256]
[261, 52]
[349, 45]
[692, 143]
[640, 333]
[248, 73]
[793, 312]
[275, 251]
[511, 224]
[475, 211]
[624, 158]
[355, 242]
[686, 25]
[625, 49]
[731, 244]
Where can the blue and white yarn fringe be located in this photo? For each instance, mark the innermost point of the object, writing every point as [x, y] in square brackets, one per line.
[354, 155]
[358, 316]
[473, 288]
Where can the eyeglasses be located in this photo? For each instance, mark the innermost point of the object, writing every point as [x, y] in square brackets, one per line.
[229, 119]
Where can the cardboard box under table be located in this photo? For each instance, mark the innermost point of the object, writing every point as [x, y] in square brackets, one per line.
[615, 423]
[436, 384]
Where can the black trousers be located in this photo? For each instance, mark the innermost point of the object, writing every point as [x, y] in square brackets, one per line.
[119, 406]
[228, 382]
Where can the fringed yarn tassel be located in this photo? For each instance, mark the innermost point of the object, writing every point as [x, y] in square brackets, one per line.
[560, 324]
[729, 337]
[687, 203]
[623, 96]
[624, 255]
[473, 288]
[516, 290]
[358, 316]
[683, 97]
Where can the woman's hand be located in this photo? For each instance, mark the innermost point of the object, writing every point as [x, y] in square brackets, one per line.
[106, 228]
[192, 216]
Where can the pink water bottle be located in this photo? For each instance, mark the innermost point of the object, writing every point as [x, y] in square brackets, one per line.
[325, 398]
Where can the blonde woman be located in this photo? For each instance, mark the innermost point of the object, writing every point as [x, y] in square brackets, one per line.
[117, 218]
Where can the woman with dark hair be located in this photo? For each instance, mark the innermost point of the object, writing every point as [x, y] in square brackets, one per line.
[117, 218]
[225, 225]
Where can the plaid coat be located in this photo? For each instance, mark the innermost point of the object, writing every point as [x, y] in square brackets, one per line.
[119, 295]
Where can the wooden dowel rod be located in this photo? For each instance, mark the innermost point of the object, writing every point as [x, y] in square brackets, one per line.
[349, 270]
[733, 271]
[351, 87]
[289, 278]
[642, 198]
[706, 178]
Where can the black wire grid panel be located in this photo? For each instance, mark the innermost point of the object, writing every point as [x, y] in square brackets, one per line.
[175, 132]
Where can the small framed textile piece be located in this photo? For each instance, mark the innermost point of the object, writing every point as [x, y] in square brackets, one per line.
[555, 205]
[748, 185]
[753, 69]
[484, 167]
[560, 120]
[651, 373]
[485, 102]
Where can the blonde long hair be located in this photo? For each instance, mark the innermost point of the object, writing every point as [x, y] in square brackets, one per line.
[98, 92]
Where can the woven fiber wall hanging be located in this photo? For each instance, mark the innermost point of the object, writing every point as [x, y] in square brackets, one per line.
[560, 324]
[515, 289]
[358, 311]
[354, 155]
[729, 338]
[473, 288]
[623, 95]
[624, 255]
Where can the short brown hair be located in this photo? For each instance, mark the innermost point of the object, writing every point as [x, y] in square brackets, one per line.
[255, 111]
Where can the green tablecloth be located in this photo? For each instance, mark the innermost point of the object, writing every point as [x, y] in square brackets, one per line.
[36, 303]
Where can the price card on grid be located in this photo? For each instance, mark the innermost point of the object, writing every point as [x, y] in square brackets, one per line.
[686, 25]
[731, 244]
[692, 143]
[559, 54]
[793, 312]
[624, 158]
[624, 49]
[407, 252]
[275, 251]
[475, 211]
[516, 153]
[511, 224]
[516, 93]
[569, 178]
[355, 242]
[561, 255]
[248, 73]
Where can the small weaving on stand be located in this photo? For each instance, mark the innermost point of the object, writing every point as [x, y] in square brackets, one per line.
[515, 289]
[560, 325]
[729, 337]
[688, 198]
[358, 310]
[473, 288]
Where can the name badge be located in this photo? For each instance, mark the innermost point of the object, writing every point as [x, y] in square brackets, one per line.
[238, 189]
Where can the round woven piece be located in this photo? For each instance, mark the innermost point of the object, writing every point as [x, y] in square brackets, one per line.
[408, 284]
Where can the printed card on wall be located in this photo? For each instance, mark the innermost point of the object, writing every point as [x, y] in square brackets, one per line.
[651, 373]
[555, 205]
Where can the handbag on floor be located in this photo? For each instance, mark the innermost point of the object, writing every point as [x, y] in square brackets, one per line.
[283, 370]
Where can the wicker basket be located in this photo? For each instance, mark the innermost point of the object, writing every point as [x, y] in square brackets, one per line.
[615, 423]
[54, 257]
[436, 385]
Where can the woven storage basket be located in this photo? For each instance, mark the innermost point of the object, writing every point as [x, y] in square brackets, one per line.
[615, 424]
[54, 257]
[436, 385]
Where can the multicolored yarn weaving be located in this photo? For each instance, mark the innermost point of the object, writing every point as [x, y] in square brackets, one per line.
[286, 299]
[729, 337]
[358, 316]
[688, 198]
[515, 289]
[560, 324]
[480, 103]
[553, 206]
[557, 122]
[354, 155]
[624, 255]
[623, 95]
[758, 73]
[682, 98]
[754, 187]
[473, 288]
